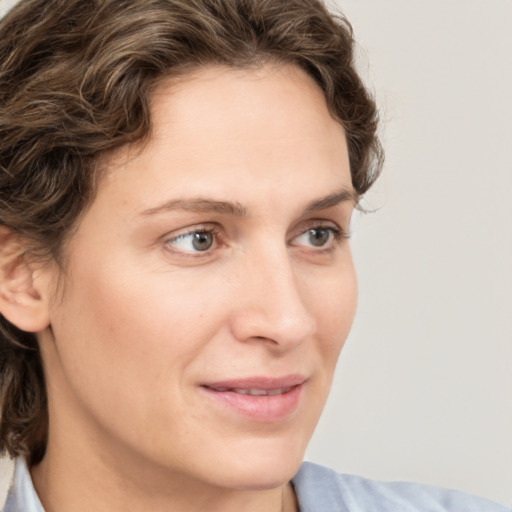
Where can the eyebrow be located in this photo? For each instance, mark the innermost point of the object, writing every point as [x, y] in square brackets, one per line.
[200, 205]
[342, 196]
[235, 209]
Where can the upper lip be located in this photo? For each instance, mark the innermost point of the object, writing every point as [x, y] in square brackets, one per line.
[263, 383]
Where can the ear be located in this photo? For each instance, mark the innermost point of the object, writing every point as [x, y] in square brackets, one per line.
[23, 291]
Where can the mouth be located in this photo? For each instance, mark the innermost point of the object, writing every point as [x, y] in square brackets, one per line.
[255, 392]
[258, 399]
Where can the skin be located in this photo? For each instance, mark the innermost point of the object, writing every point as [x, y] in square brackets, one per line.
[142, 318]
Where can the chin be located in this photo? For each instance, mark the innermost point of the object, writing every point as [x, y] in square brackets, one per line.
[261, 478]
[260, 467]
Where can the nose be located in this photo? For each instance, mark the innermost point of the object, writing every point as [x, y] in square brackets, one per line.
[271, 303]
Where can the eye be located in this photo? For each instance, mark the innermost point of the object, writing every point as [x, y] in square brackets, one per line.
[194, 241]
[322, 237]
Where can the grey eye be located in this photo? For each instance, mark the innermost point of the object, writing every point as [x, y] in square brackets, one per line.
[202, 241]
[318, 237]
[195, 241]
[321, 237]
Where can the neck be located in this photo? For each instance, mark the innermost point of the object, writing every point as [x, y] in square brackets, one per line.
[81, 484]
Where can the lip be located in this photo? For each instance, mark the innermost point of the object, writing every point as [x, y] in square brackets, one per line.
[274, 399]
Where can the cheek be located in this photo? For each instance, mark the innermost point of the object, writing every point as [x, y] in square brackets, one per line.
[126, 345]
[136, 321]
[334, 310]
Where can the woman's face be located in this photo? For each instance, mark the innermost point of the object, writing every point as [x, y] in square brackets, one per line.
[209, 288]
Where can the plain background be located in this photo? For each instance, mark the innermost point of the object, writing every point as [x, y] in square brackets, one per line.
[423, 390]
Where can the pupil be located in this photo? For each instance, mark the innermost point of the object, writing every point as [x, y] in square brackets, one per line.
[318, 237]
[202, 241]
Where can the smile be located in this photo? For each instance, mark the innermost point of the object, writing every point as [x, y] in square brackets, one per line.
[259, 399]
[256, 392]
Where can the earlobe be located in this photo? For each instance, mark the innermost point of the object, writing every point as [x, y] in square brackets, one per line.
[23, 300]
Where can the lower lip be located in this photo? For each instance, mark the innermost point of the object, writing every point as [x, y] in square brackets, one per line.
[265, 408]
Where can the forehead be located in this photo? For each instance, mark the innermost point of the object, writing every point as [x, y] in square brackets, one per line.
[241, 105]
[222, 132]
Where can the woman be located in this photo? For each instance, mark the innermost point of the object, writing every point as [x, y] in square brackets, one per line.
[176, 284]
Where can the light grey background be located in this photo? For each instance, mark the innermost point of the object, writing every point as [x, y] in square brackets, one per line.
[424, 386]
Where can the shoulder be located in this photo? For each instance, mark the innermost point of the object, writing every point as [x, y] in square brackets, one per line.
[320, 489]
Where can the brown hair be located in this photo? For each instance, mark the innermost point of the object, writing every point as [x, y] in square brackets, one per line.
[75, 80]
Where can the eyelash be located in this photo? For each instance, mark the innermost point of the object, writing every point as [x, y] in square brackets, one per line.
[210, 230]
[338, 236]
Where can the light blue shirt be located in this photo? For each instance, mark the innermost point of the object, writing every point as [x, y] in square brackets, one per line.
[319, 489]
[22, 496]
